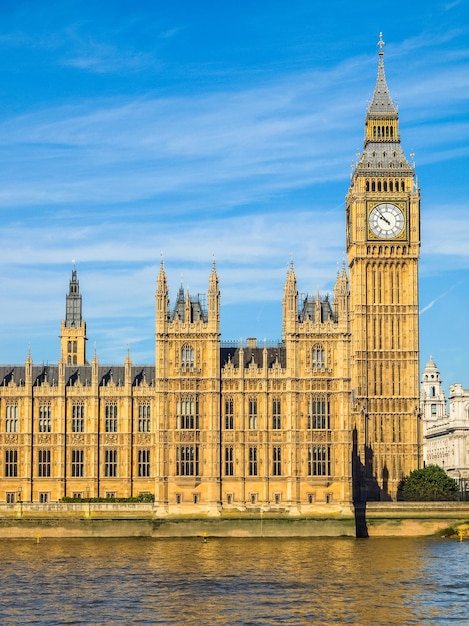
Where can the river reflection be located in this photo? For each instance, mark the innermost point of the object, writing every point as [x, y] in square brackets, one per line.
[234, 581]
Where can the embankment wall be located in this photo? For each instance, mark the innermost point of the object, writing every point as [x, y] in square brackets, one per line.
[377, 519]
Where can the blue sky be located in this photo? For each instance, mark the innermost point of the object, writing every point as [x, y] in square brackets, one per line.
[191, 129]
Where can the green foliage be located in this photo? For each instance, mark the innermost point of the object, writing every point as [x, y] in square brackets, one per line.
[142, 497]
[430, 484]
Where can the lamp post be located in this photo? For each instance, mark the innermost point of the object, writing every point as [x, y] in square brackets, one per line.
[20, 501]
[88, 498]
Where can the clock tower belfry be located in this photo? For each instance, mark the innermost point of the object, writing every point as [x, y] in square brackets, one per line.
[383, 246]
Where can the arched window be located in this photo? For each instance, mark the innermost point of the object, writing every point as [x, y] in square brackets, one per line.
[44, 418]
[367, 185]
[318, 412]
[110, 415]
[276, 413]
[373, 186]
[187, 356]
[144, 416]
[252, 413]
[187, 410]
[12, 418]
[229, 416]
[318, 359]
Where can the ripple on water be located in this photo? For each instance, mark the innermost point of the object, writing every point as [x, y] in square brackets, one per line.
[234, 581]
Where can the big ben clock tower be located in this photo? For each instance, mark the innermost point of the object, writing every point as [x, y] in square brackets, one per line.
[383, 244]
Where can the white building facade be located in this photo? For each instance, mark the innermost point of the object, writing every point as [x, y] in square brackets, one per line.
[445, 432]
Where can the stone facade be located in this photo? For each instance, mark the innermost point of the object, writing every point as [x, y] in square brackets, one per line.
[329, 415]
[446, 433]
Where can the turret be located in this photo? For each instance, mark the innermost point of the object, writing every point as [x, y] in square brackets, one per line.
[432, 395]
[214, 301]
[341, 293]
[162, 299]
[290, 303]
[73, 328]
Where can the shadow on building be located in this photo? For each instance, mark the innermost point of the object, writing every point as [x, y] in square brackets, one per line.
[365, 487]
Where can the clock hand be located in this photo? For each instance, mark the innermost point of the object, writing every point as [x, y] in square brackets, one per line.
[383, 218]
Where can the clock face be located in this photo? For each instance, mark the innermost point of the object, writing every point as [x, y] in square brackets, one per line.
[386, 221]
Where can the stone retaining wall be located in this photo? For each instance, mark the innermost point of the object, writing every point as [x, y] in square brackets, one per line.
[31, 520]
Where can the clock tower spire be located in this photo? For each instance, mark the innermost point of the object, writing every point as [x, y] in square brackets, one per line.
[383, 247]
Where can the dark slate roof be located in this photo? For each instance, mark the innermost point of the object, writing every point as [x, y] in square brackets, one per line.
[73, 373]
[308, 310]
[228, 354]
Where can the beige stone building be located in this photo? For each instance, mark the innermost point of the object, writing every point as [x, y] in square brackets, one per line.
[445, 426]
[330, 414]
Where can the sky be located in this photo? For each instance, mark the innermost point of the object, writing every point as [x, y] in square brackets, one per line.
[132, 132]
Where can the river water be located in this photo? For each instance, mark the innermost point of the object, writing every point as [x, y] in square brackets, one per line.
[234, 581]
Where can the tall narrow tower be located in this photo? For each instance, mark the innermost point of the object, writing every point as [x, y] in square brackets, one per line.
[383, 246]
[73, 329]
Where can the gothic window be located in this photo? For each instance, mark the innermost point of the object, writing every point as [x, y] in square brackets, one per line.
[367, 185]
[252, 413]
[77, 463]
[379, 182]
[144, 417]
[11, 463]
[318, 359]
[144, 463]
[110, 424]
[44, 418]
[44, 463]
[229, 417]
[253, 461]
[110, 463]
[187, 461]
[373, 185]
[187, 356]
[78, 417]
[391, 187]
[385, 186]
[229, 464]
[402, 186]
[318, 413]
[11, 424]
[277, 461]
[187, 410]
[319, 461]
[276, 414]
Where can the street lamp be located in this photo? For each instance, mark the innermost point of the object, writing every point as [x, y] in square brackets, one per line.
[20, 501]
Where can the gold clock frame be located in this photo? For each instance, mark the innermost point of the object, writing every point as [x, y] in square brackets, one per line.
[401, 204]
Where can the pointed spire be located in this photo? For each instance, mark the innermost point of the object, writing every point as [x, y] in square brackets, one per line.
[290, 282]
[213, 280]
[382, 102]
[161, 280]
[73, 308]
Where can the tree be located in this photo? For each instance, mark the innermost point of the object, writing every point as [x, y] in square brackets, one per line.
[430, 484]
